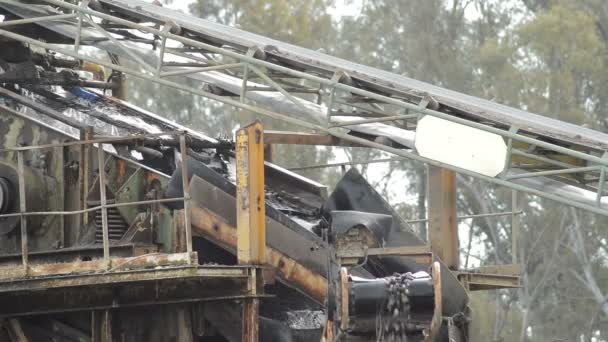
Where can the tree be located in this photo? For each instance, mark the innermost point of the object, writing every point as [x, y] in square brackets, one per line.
[306, 23]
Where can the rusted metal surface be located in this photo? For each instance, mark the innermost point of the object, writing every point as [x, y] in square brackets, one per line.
[438, 311]
[352, 248]
[178, 232]
[328, 335]
[290, 239]
[123, 276]
[344, 305]
[99, 73]
[213, 227]
[251, 314]
[124, 289]
[94, 266]
[76, 254]
[443, 224]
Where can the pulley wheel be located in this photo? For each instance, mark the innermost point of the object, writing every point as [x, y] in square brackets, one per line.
[4, 195]
[9, 198]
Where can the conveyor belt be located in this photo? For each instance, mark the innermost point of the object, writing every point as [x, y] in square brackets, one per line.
[380, 80]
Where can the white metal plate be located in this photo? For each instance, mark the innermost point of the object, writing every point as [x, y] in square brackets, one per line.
[461, 146]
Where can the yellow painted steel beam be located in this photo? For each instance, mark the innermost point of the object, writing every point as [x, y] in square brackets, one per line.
[250, 200]
[251, 215]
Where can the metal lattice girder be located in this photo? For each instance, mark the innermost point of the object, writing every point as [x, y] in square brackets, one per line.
[275, 79]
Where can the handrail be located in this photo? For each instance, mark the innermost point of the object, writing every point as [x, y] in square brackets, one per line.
[104, 206]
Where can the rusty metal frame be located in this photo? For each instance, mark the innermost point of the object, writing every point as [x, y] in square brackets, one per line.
[86, 144]
[213, 227]
[205, 283]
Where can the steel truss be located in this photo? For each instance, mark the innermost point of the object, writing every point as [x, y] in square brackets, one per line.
[571, 167]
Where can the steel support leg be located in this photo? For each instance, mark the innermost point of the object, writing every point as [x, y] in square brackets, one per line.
[443, 223]
[250, 207]
[101, 326]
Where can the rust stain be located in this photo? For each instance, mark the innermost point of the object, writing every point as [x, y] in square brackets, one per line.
[150, 176]
[208, 224]
[121, 168]
[138, 262]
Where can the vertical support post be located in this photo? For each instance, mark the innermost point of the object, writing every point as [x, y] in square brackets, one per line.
[251, 211]
[438, 312]
[101, 326]
[514, 225]
[161, 56]
[184, 323]
[443, 224]
[330, 104]
[79, 27]
[106, 326]
[251, 214]
[121, 80]
[268, 152]
[104, 210]
[61, 153]
[332, 94]
[86, 134]
[186, 187]
[600, 187]
[22, 209]
[244, 84]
